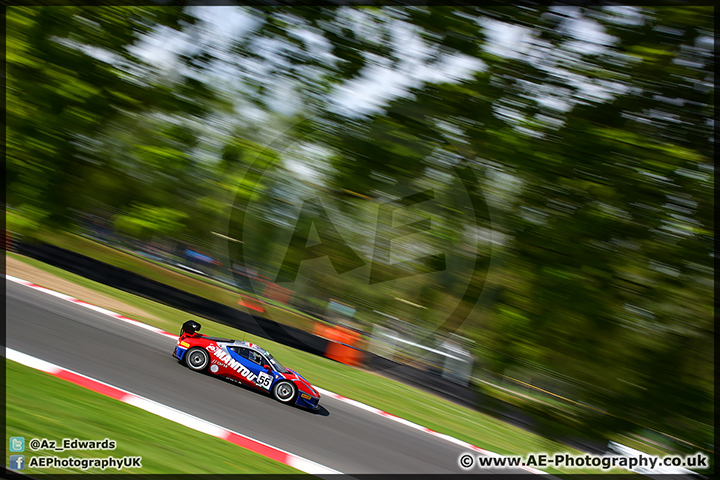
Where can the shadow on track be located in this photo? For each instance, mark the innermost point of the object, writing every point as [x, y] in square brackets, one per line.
[322, 411]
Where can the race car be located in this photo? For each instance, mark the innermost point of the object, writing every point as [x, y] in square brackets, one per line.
[245, 363]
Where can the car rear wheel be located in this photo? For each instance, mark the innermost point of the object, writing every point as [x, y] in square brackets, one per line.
[197, 359]
[285, 391]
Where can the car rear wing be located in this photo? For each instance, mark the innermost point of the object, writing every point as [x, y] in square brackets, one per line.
[189, 328]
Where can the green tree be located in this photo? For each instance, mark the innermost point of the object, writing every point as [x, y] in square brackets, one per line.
[145, 221]
[70, 72]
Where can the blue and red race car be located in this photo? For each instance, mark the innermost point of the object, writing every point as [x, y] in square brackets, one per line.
[245, 363]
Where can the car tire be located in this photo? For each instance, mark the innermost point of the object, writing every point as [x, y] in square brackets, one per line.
[197, 359]
[284, 391]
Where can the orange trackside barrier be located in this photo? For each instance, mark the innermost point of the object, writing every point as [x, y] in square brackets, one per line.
[344, 354]
[341, 344]
[251, 303]
[322, 330]
[336, 334]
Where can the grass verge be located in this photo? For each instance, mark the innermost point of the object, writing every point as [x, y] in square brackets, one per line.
[399, 399]
[42, 406]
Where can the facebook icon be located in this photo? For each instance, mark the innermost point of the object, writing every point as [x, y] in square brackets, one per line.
[17, 462]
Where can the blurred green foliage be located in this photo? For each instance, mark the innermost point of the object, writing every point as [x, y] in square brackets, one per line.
[145, 221]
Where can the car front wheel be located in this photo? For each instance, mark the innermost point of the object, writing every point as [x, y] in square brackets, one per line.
[284, 391]
[197, 359]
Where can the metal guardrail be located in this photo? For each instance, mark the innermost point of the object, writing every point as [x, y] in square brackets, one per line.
[12, 239]
[452, 361]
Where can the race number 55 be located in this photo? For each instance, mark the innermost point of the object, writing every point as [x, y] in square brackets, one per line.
[264, 380]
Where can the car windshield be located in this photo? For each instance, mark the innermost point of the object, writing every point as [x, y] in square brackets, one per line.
[276, 365]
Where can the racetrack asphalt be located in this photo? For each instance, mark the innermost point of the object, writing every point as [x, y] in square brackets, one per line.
[339, 436]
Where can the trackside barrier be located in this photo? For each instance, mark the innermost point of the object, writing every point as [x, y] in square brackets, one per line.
[341, 344]
[251, 303]
[176, 298]
[11, 241]
[344, 354]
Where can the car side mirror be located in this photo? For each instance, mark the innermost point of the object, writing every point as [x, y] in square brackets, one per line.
[267, 367]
